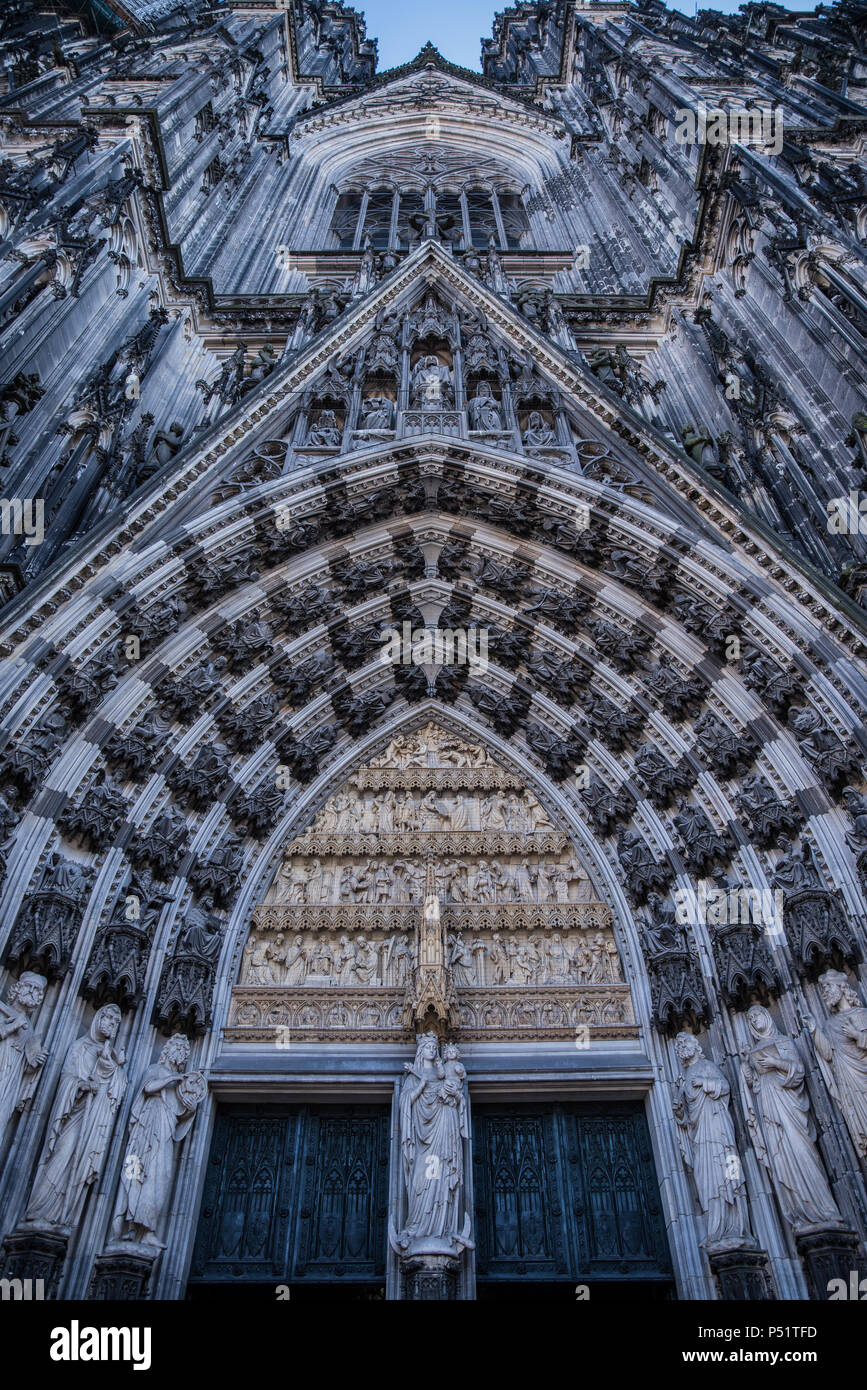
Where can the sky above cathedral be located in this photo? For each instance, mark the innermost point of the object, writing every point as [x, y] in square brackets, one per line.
[457, 27]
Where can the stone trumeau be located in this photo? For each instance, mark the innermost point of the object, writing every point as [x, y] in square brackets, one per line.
[432, 599]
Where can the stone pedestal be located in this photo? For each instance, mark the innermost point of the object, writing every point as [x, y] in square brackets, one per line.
[122, 1273]
[430, 1278]
[830, 1254]
[742, 1275]
[35, 1255]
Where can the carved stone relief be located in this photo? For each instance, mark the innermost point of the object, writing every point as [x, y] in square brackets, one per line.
[430, 825]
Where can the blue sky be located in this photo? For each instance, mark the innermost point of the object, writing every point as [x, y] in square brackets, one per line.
[457, 26]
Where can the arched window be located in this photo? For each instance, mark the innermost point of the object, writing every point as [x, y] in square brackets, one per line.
[516, 224]
[378, 219]
[344, 223]
[395, 220]
[482, 218]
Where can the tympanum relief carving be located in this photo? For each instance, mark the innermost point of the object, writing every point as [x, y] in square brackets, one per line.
[333, 949]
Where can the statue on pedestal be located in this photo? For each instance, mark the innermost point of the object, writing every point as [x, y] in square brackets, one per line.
[161, 1117]
[707, 1143]
[778, 1117]
[21, 1052]
[91, 1087]
[841, 1046]
[433, 1126]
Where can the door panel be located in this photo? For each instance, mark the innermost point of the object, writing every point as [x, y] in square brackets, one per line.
[566, 1191]
[295, 1194]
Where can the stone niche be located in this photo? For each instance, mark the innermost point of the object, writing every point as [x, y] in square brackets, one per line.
[432, 829]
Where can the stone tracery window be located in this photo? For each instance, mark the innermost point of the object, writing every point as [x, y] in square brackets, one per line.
[395, 219]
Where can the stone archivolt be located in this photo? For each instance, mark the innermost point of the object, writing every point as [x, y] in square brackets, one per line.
[333, 950]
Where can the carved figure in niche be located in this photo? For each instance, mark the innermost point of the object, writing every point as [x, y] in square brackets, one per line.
[498, 961]
[398, 961]
[260, 955]
[538, 433]
[404, 813]
[434, 814]
[400, 881]
[503, 883]
[359, 879]
[523, 880]
[431, 384]
[366, 962]
[495, 812]
[381, 882]
[557, 960]
[583, 964]
[21, 1052]
[200, 934]
[326, 821]
[661, 930]
[313, 882]
[91, 1086]
[459, 885]
[484, 412]
[559, 884]
[344, 961]
[841, 1046]
[462, 962]
[326, 433]
[796, 869]
[294, 962]
[535, 817]
[384, 816]
[483, 885]
[263, 364]
[707, 1142]
[779, 1120]
[856, 804]
[320, 962]
[293, 881]
[523, 967]
[417, 749]
[376, 413]
[416, 879]
[543, 887]
[610, 957]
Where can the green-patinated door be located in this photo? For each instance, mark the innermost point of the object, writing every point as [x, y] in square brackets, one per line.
[566, 1194]
[295, 1196]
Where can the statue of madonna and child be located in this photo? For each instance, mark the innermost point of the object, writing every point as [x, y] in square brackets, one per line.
[433, 1125]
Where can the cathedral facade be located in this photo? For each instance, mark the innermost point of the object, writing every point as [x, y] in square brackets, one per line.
[433, 578]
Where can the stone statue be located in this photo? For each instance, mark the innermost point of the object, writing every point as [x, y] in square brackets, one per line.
[699, 445]
[431, 384]
[841, 1046]
[376, 413]
[707, 1142]
[164, 446]
[433, 1125]
[795, 869]
[263, 365]
[856, 804]
[538, 433]
[21, 1052]
[326, 432]
[90, 1090]
[779, 1120]
[484, 412]
[160, 1119]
